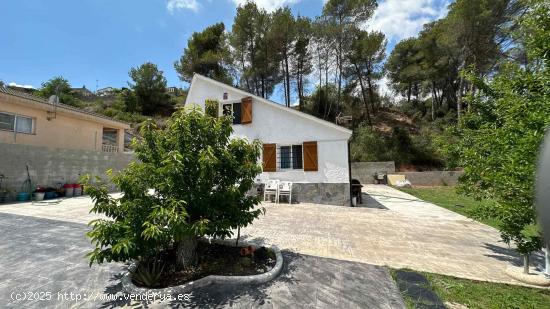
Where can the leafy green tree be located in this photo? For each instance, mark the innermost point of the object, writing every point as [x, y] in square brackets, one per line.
[404, 70]
[190, 180]
[499, 140]
[365, 57]
[206, 53]
[243, 43]
[149, 87]
[476, 36]
[58, 86]
[256, 50]
[345, 15]
[283, 31]
[319, 103]
[129, 100]
[267, 61]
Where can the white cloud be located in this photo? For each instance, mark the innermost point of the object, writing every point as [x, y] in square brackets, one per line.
[20, 86]
[269, 5]
[399, 19]
[174, 5]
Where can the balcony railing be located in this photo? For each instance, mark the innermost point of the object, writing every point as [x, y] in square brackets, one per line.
[109, 148]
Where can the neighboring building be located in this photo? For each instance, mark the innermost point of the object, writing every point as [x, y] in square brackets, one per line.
[297, 147]
[28, 90]
[82, 92]
[106, 92]
[30, 120]
[173, 90]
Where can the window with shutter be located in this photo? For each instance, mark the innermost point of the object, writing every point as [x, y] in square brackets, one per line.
[246, 110]
[269, 157]
[310, 156]
[233, 109]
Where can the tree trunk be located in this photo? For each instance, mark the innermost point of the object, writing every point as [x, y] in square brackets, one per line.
[371, 92]
[186, 252]
[409, 90]
[287, 77]
[284, 84]
[472, 92]
[300, 84]
[434, 99]
[459, 101]
[363, 94]
[526, 263]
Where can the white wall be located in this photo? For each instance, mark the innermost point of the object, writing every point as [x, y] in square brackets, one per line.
[272, 124]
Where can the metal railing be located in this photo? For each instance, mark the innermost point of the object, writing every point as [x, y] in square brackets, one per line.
[109, 148]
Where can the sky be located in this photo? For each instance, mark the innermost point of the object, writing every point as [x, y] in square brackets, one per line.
[96, 42]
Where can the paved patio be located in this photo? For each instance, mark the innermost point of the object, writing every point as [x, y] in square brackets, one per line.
[41, 256]
[397, 230]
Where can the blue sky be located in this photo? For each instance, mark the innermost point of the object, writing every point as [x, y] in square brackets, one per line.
[89, 40]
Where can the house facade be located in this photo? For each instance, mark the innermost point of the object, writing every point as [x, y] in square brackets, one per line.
[82, 92]
[106, 92]
[29, 120]
[297, 147]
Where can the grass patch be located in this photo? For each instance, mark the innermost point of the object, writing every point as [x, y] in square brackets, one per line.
[447, 197]
[478, 294]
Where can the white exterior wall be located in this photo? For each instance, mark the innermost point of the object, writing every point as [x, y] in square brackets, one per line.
[273, 124]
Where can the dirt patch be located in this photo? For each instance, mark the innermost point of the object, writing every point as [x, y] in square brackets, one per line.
[215, 259]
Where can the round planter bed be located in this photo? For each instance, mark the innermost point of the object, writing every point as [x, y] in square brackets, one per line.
[130, 288]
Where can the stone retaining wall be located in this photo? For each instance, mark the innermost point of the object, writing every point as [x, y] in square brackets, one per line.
[432, 178]
[364, 171]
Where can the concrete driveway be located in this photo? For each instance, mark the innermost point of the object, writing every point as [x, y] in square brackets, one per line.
[43, 265]
[397, 230]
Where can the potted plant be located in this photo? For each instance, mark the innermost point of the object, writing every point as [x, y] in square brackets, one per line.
[38, 194]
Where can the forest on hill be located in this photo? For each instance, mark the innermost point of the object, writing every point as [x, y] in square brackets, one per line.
[331, 67]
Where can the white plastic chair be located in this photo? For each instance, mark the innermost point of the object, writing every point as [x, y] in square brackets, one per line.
[272, 188]
[285, 189]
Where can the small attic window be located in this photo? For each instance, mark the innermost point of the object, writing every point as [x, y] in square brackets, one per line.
[232, 109]
[225, 95]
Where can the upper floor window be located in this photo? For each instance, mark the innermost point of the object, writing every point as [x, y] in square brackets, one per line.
[232, 109]
[17, 123]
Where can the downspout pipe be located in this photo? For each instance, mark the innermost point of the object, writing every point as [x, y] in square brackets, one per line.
[349, 173]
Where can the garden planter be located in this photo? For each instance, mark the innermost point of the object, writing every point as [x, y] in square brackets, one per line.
[77, 190]
[39, 196]
[49, 195]
[69, 190]
[23, 196]
[130, 288]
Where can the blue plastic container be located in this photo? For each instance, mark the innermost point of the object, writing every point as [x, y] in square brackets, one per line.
[50, 195]
[23, 196]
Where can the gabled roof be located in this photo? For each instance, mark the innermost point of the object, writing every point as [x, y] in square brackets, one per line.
[44, 103]
[271, 103]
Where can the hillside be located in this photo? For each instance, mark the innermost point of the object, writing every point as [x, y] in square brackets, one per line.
[396, 136]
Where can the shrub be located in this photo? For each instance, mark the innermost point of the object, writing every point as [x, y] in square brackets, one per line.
[190, 180]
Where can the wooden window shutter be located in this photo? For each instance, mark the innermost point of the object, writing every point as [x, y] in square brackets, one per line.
[246, 110]
[310, 157]
[269, 158]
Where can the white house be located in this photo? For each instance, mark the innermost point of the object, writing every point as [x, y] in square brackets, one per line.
[297, 147]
